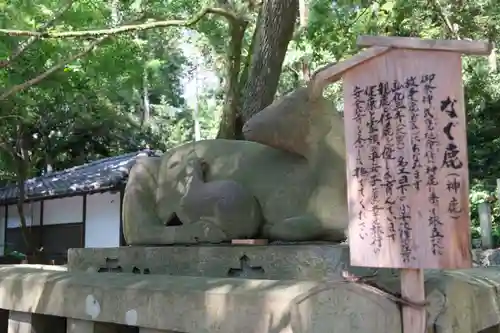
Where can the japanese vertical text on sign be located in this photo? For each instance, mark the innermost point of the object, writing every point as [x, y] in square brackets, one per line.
[407, 161]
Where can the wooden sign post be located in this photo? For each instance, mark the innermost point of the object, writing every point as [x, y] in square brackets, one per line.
[407, 159]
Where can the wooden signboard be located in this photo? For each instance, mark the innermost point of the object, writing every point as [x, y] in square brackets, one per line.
[407, 161]
[407, 166]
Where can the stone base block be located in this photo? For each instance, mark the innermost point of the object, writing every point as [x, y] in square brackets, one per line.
[186, 304]
[459, 301]
[275, 262]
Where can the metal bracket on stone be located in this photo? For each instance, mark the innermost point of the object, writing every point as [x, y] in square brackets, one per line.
[111, 266]
[137, 270]
[246, 270]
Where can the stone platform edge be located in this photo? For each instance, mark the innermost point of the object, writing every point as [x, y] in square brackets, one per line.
[273, 262]
[460, 301]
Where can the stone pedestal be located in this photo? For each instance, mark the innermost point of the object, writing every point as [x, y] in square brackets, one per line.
[273, 262]
[250, 264]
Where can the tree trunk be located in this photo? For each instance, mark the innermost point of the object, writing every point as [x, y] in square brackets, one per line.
[20, 211]
[20, 157]
[146, 115]
[274, 32]
[230, 127]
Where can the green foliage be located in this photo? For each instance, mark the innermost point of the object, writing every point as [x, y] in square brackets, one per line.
[94, 107]
[127, 93]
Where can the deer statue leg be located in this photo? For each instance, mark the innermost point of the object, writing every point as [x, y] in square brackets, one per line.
[222, 205]
[299, 228]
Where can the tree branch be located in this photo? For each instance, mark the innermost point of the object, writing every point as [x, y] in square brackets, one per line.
[61, 64]
[125, 28]
[102, 34]
[446, 19]
[22, 47]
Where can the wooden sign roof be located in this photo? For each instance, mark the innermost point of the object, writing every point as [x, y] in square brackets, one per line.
[470, 47]
[380, 45]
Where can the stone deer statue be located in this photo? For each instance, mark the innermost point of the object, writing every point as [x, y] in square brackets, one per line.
[286, 182]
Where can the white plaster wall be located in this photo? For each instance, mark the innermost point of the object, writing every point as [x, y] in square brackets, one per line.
[31, 213]
[2, 230]
[102, 224]
[62, 211]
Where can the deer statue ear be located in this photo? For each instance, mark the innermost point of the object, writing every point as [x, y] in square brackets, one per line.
[284, 125]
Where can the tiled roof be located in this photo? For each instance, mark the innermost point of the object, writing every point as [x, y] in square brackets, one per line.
[102, 174]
